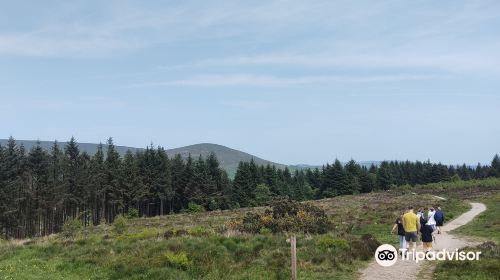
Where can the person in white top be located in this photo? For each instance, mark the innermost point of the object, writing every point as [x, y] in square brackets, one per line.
[430, 220]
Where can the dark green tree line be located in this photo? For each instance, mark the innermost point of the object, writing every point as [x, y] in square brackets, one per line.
[40, 190]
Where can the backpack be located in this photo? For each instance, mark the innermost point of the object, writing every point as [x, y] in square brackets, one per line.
[439, 217]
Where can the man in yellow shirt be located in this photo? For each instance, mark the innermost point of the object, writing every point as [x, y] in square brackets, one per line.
[411, 224]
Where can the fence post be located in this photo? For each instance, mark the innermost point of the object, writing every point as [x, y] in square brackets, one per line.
[293, 250]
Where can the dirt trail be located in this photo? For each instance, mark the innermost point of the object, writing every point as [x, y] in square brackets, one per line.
[408, 270]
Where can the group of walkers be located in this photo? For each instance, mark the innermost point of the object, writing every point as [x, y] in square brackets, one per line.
[411, 225]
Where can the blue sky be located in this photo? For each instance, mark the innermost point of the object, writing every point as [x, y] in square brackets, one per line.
[289, 81]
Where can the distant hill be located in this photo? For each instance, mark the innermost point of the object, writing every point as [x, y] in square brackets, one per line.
[228, 158]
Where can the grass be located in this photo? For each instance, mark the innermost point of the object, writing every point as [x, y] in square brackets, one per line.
[200, 246]
[487, 224]
[486, 227]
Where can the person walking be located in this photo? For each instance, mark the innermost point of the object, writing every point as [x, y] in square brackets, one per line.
[427, 236]
[421, 217]
[431, 221]
[420, 212]
[411, 225]
[401, 232]
[439, 218]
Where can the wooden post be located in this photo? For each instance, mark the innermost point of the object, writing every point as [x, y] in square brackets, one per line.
[293, 250]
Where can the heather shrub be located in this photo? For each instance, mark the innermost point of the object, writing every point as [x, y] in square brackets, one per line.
[286, 216]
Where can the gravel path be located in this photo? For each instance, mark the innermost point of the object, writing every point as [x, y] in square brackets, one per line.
[408, 270]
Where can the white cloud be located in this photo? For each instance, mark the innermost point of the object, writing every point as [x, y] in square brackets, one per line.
[273, 81]
[450, 62]
[68, 31]
[29, 45]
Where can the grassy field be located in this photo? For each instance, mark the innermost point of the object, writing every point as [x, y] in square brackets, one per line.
[485, 227]
[201, 246]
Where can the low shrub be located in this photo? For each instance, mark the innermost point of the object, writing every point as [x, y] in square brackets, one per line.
[265, 231]
[198, 231]
[277, 263]
[364, 248]
[178, 260]
[120, 224]
[71, 227]
[327, 242]
[194, 208]
[168, 234]
[285, 216]
[147, 233]
[132, 213]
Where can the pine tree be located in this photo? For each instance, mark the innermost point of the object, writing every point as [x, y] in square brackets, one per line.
[495, 166]
[163, 183]
[112, 195]
[217, 185]
[10, 190]
[199, 188]
[190, 190]
[262, 195]
[178, 183]
[98, 190]
[367, 181]
[384, 176]
[37, 191]
[130, 183]
[242, 193]
[353, 171]
[73, 192]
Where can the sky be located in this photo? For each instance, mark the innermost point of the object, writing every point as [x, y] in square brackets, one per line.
[289, 81]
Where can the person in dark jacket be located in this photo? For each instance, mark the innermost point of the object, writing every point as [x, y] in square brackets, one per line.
[439, 217]
[427, 236]
[401, 231]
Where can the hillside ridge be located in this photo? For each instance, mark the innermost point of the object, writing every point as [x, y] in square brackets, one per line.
[229, 158]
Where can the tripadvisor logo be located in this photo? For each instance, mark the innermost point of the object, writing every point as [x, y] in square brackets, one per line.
[386, 255]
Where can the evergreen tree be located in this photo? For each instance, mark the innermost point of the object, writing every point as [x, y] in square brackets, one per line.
[163, 183]
[191, 190]
[384, 176]
[37, 192]
[495, 166]
[178, 183]
[262, 195]
[72, 180]
[98, 190]
[367, 181]
[113, 201]
[242, 189]
[353, 171]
